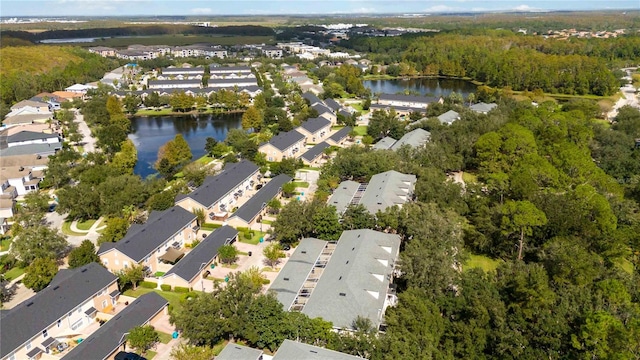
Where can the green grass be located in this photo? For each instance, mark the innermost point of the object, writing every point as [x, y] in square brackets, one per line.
[159, 273]
[210, 226]
[173, 297]
[66, 229]
[232, 266]
[255, 240]
[604, 123]
[483, 262]
[217, 349]
[150, 354]
[311, 168]
[5, 244]
[86, 225]
[205, 160]
[361, 130]
[337, 127]
[268, 222]
[164, 337]
[469, 178]
[301, 184]
[151, 112]
[13, 273]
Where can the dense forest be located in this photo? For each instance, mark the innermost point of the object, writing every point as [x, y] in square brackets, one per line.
[501, 58]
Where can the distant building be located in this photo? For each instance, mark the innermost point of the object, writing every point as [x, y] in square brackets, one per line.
[175, 84]
[449, 117]
[284, 145]
[404, 104]
[315, 129]
[416, 138]
[272, 52]
[103, 51]
[483, 108]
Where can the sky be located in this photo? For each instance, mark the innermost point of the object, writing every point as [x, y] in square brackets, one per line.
[52, 8]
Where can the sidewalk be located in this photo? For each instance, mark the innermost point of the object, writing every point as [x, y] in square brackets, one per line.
[91, 234]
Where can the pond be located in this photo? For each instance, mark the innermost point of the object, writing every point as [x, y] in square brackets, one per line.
[423, 86]
[150, 133]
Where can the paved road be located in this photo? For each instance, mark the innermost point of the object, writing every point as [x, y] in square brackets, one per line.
[89, 141]
[310, 176]
[630, 97]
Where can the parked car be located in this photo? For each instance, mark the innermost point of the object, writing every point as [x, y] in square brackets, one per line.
[286, 247]
[62, 346]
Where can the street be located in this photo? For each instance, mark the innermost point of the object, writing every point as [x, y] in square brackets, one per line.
[89, 143]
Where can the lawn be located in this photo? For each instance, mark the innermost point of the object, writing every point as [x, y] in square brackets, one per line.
[152, 112]
[301, 184]
[66, 229]
[361, 130]
[255, 240]
[5, 244]
[86, 225]
[204, 160]
[267, 222]
[13, 273]
[164, 337]
[469, 178]
[174, 298]
[483, 262]
[150, 354]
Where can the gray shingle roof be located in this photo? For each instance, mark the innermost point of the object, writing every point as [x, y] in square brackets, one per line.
[284, 140]
[384, 144]
[293, 275]
[355, 281]
[189, 266]
[449, 117]
[106, 340]
[238, 352]
[30, 135]
[343, 194]
[251, 81]
[182, 70]
[332, 104]
[408, 98]
[292, 350]
[216, 187]
[311, 98]
[254, 205]
[345, 113]
[321, 109]
[142, 240]
[314, 152]
[388, 189]
[415, 138]
[397, 108]
[341, 134]
[173, 82]
[314, 125]
[483, 107]
[31, 317]
[230, 69]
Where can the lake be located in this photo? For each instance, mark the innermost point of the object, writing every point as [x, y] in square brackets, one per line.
[423, 86]
[150, 133]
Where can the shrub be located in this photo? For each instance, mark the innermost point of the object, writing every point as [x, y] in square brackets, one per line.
[165, 287]
[195, 243]
[148, 284]
[242, 229]
[266, 281]
[180, 289]
[247, 235]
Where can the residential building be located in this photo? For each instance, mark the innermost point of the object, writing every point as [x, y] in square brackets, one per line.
[315, 129]
[253, 210]
[175, 84]
[25, 118]
[18, 180]
[341, 281]
[384, 190]
[414, 139]
[404, 104]
[483, 108]
[294, 350]
[232, 82]
[103, 51]
[185, 71]
[226, 70]
[218, 194]
[153, 242]
[312, 99]
[312, 156]
[107, 341]
[193, 267]
[233, 351]
[32, 105]
[80, 88]
[339, 137]
[272, 52]
[449, 117]
[69, 304]
[43, 150]
[4, 222]
[7, 210]
[325, 112]
[332, 104]
[32, 137]
[284, 145]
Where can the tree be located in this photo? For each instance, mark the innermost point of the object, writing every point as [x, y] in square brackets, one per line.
[40, 273]
[116, 229]
[358, 217]
[125, 160]
[274, 205]
[273, 252]
[227, 253]
[190, 352]
[131, 275]
[176, 152]
[252, 119]
[288, 189]
[519, 217]
[143, 338]
[326, 224]
[83, 255]
[287, 166]
[39, 242]
[201, 217]
[31, 212]
[210, 145]
[161, 201]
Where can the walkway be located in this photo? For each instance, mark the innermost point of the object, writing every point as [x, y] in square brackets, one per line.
[91, 234]
[19, 292]
[630, 97]
[89, 143]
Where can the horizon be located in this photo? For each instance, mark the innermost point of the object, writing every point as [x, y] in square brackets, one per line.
[196, 8]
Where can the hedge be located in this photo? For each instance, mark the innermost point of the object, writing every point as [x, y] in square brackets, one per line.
[180, 289]
[242, 229]
[148, 284]
[165, 287]
[209, 226]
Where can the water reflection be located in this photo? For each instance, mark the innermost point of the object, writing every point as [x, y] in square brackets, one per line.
[423, 86]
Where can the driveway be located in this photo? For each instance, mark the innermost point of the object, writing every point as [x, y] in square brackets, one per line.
[310, 176]
[89, 143]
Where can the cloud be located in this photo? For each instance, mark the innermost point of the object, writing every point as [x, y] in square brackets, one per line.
[201, 11]
[439, 8]
[524, 7]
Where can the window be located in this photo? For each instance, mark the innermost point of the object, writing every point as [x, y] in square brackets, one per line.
[77, 324]
[117, 262]
[125, 264]
[105, 262]
[104, 304]
[45, 334]
[59, 322]
[79, 310]
[29, 345]
[12, 357]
